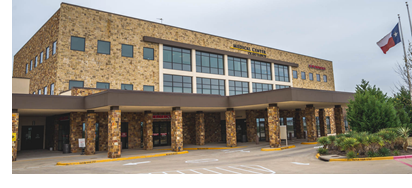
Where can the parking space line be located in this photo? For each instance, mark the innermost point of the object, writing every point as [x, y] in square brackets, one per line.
[228, 170]
[195, 171]
[179, 172]
[245, 170]
[212, 171]
[257, 168]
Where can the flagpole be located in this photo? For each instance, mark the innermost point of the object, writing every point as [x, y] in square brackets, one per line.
[406, 58]
[410, 24]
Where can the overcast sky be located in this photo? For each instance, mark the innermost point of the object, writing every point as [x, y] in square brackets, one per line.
[344, 32]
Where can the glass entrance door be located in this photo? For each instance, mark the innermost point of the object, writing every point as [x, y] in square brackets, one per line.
[125, 134]
[260, 122]
[32, 137]
[64, 131]
[161, 133]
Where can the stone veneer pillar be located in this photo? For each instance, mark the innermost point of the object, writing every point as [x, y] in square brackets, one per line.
[114, 129]
[177, 129]
[148, 131]
[266, 126]
[274, 125]
[200, 128]
[15, 130]
[230, 128]
[134, 132]
[340, 125]
[322, 123]
[311, 123]
[298, 124]
[90, 133]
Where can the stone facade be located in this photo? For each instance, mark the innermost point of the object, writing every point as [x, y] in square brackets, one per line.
[212, 128]
[114, 139]
[230, 128]
[311, 123]
[322, 123]
[200, 128]
[56, 135]
[177, 130]
[189, 128]
[133, 137]
[274, 126]
[148, 131]
[15, 130]
[85, 91]
[298, 124]
[251, 126]
[90, 134]
[340, 125]
[76, 130]
[103, 130]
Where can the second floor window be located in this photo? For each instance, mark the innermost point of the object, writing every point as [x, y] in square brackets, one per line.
[54, 47]
[303, 74]
[281, 86]
[45, 90]
[39, 92]
[27, 68]
[76, 43]
[258, 87]
[176, 58]
[75, 83]
[126, 87]
[295, 74]
[209, 63]
[237, 67]
[36, 62]
[210, 86]
[103, 47]
[41, 57]
[148, 53]
[31, 65]
[127, 50]
[237, 87]
[261, 70]
[325, 78]
[318, 77]
[311, 76]
[102, 85]
[51, 89]
[148, 88]
[281, 73]
[47, 52]
[177, 84]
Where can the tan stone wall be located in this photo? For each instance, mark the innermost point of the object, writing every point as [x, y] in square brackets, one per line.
[15, 129]
[189, 130]
[274, 126]
[85, 91]
[212, 128]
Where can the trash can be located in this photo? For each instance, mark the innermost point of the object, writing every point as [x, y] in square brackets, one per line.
[66, 148]
[244, 138]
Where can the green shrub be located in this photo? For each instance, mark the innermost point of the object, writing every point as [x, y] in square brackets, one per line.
[384, 152]
[371, 154]
[349, 144]
[395, 152]
[351, 155]
[322, 151]
[324, 141]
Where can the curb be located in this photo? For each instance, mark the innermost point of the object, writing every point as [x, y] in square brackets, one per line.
[365, 159]
[209, 148]
[277, 149]
[120, 159]
[309, 143]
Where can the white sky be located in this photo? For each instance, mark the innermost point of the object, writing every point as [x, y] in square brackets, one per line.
[344, 32]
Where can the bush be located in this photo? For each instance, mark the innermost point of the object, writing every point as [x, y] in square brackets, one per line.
[323, 151]
[351, 155]
[371, 154]
[395, 152]
[384, 152]
[324, 141]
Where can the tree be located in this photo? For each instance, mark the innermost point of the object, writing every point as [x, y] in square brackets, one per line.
[404, 71]
[403, 106]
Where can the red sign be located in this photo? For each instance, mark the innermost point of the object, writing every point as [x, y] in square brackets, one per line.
[124, 135]
[317, 67]
[162, 117]
[163, 134]
[155, 134]
[64, 118]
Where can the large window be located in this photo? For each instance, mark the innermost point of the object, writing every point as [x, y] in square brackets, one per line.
[103, 47]
[31, 65]
[177, 84]
[237, 88]
[148, 53]
[41, 57]
[148, 88]
[237, 67]
[328, 124]
[281, 73]
[258, 87]
[209, 63]
[311, 76]
[281, 86]
[303, 75]
[325, 78]
[27, 68]
[74, 83]
[77, 43]
[261, 70]
[126, 87]
[210, 86]
[295, 74]
[45, 90]
[36, 62]
[318, 77]
[54, 47]
[176, 58]
[127, 50]
[47, 52]
[103, 85]
[52, 89]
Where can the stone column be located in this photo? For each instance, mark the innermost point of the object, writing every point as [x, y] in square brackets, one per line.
[76, 130]
[90, 133]
[340, 125]
[177, 129]
[322, 123]
[311, 123]
[148, 131]
[231, 128]
[298, 124]
[56, 134]
[15, 132]
[251, 125]
[274, 125]
[134, 132]
[200, 128]
[114, 129]
[266, 126]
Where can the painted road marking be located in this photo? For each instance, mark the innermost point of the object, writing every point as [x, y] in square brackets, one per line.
[137, 163]
[212, 171]
[300, 163]
[233, 151]
[202, 161]
[265, 169]
[195, 171]
[245, 170]
[237, 169]
[318, 147]
[228, 170]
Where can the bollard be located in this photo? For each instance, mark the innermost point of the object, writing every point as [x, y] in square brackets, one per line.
[290, 136]
[257, 139]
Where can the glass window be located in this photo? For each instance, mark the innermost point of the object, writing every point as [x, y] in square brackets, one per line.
[328, 124]
[318, 77]
[148, 88]
[31, 65]
[127, 87]
[177, 84]
[27, 68]
[41, 57]
[47, 52]
[77, 43]
[54, 47]
[209, 63]
[303, 74]
[281, 73]
[39, 92]
[74, 83]
[311, 76]
[34, 92]
[237, 87]
[258, 87]
[45, 90]
[103, 47]
[261, 70]
[237, 67]
[127, 50]
[281, 86]
[148, 53]
[210, 86]
[102, 85]
[36, 61]
[176, 58]
[324, 78]
[295, 74]
[52, 89]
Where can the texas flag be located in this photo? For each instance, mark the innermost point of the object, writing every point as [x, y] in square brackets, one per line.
[390, 40]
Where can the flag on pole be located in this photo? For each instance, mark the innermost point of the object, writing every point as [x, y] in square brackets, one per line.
[390, 40]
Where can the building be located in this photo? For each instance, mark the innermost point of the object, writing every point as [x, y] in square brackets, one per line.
[122, 82]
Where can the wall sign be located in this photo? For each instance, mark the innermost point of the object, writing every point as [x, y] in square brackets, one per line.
[317, 67]
[162, 117]
[254, 51]
[82, 142]
[124, 134]
[13, 137]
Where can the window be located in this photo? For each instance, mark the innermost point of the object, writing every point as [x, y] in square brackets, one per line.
[281, 73]
[210, 86]
[102, 85]
[324, 78]
[127, 50]
[47, 52]
[74, 83]
[45, 90]
[311, 76]
[281, 86]
[261, 70]
[148, 53]
[27, 68]
[103, 47]
[31, 65]
[148, 88]
[237, 88]
[34, 92]
[303, 74]
[54, 47]
[177, 84]
[237, 67]
[77, 43]
[318, 77]
[295, 74]
[41, 57]
[176, 58]
[328, 124]
[35, 64]
[39, 92]
[257, 87]
[209, 63]
[127, 87]
[51, 89]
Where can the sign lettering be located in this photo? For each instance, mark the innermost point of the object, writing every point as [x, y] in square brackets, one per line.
[251, 51]
[317, 67]
[162, 117]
